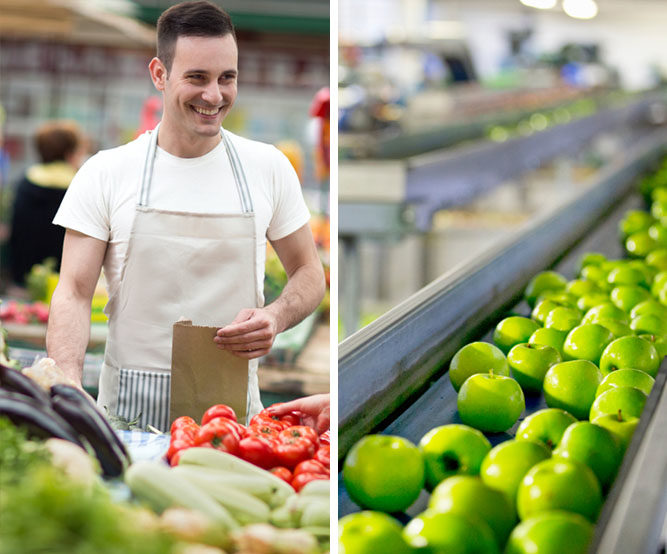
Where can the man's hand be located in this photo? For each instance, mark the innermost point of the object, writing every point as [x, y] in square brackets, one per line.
[250, 335]
[313, 410]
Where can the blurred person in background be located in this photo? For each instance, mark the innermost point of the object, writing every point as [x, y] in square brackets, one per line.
[33, 237]
[179, 218]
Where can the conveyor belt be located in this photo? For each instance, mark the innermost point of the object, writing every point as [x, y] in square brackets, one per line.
[632, 519]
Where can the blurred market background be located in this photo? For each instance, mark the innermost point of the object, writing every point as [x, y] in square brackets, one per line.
[461, 121]
[86, 61]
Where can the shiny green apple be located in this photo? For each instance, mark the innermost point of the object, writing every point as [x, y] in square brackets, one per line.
[368, 531]
[626, 378]
[476, 357]
[620, 425]
[549, 337]
[617, 327]
[543, 281]
[563, 319]
[505, 465]
[587, 342]
[630, 353]
[659, 342]
[627, 297]
[513, 330]
[580, 287]
[452, 449]
[436, 532]
[545, 426]
[489, 402]
[464, 494]
[627, 400]
[606, 310]
[552, 532]
[529, 364]
[588, 301]
[594, 446]
[640, 244]
[559, 484]
[650, 306]
[625, 275]
[571, 386]
[634, 221]
[649, 324]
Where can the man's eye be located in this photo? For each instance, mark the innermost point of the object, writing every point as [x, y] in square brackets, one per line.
[196, 77]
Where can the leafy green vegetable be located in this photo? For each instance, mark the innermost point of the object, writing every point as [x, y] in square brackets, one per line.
[18, 456]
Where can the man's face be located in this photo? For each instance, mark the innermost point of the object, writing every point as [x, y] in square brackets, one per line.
[201, 86]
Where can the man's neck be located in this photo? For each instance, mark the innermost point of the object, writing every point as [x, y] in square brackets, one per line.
[185, 146]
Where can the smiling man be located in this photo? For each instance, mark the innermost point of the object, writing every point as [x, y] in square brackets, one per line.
[179, 220]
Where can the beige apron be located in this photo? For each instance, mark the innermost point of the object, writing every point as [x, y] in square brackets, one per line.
[178, 265]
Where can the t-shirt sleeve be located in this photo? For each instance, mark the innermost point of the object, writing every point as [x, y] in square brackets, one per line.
[83, 207]
[290, 211]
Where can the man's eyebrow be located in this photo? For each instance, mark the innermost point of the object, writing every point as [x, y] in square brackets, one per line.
[206, 71]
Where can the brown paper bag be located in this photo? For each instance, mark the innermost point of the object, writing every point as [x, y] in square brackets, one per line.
[203, 375]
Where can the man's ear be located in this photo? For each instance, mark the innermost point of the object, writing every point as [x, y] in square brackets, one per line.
[158, 73]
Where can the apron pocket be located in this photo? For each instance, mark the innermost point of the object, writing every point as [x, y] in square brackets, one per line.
[145, 394]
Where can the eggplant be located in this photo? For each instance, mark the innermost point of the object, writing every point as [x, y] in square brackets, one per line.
[87, 424]
[14, 381]
[38, 420]
[80, 398]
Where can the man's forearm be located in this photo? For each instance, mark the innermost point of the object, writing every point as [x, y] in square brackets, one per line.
[68, 332]
[300, 296]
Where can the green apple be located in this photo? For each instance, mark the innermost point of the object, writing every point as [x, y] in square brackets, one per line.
[648, 270]
[627, 400]
[649, 307]
[465, 494]
[452, 450]
[563, 319]
[559, 484]
[543, 281]
[627, 297]
[634, 221]
[659, 209]
[606, 310]
[435, 532]
[627, 378]
[490, 402]
[563, 297]
[549, 337]
[530, 362]
[658, 341]
[543, 307]
[384, 472]
[640, 244]
[649, 324]
[505, 465]
[617, 327]
[580, 287]
[657, 258]
[513, 330]
[626, 275]
[586, 342]
[545, 426]
[594, 446]
[590, 300]
[367, 531]
[571, 386]
[659, 282]
[590, 258]
[476, 357]
[552, 532]
[595, 273]
[630, 353]
[658, 232]
[622, 426]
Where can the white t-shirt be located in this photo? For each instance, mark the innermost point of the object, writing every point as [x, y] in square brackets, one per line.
[101, 200]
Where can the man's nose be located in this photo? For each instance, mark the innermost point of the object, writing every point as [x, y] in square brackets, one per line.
[212, 93]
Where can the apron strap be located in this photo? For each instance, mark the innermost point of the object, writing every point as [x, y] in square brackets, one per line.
[234, 161]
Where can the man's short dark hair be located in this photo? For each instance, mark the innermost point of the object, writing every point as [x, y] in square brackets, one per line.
[191, 19]
[56, 140]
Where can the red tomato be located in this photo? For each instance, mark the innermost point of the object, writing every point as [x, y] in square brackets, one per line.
[301, 432]
[323, 455]
[302, 479]
[183, 421]
[218, 410]
[325, 437]
[177, 444]
[240, 429]
[258, 451]
[219, 434]
[264, 418]
[291, 451]
[292, 418]
[282, 472]
[264, 431]
[311, 466]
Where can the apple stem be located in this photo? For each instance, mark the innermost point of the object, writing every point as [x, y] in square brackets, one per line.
[620, 416]
[491, 372]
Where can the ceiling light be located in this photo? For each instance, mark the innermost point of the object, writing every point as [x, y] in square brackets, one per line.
[580, 9]
[539, 4]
